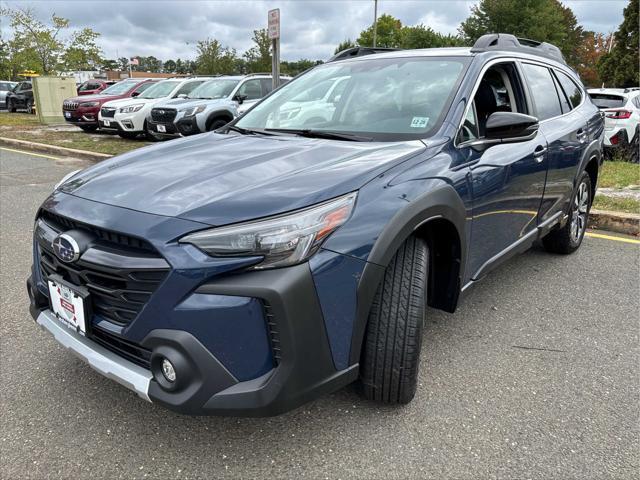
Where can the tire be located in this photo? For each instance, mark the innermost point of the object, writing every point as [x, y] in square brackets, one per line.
[11, 106]
[149, 135]
[633, 147]
[128, 135]
[569, 238]
[29, 106]
[215, 124]
[88, 128]
[393, 339]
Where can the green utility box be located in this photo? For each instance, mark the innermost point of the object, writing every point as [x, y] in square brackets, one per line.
[49, 93]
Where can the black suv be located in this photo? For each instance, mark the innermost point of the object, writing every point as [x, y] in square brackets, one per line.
[21, 97]
[295, 250]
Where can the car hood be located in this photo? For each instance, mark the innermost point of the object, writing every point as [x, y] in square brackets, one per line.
[95, 97]
[218, 179]
[188, 102]
[121, 102]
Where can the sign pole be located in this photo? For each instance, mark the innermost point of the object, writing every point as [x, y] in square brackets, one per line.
[274, 35]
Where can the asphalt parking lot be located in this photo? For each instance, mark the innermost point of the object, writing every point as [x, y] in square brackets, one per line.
[535, 376]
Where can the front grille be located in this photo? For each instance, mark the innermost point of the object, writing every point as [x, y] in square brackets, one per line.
[129, 350]
[163, 115]
[69, 105]
[274, 335]
[118, 294]
[107, 112]
[60, 224]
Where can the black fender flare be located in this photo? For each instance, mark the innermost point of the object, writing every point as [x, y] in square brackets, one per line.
[218, 113]
[440, 203]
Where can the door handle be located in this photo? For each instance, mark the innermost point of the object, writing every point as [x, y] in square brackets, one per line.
[539, 152]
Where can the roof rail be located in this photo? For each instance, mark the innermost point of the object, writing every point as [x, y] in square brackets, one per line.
[505, 41]
[257, 73]
[359, 52]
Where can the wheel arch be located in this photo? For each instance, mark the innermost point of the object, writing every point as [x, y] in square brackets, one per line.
[218, 114]
[439, 217]
[590, 163]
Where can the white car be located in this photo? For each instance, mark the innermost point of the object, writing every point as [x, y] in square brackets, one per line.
[127, 116]
[621, 108]
[318, 102]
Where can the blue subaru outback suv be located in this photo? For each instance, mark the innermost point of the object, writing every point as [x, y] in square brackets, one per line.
[251, 269]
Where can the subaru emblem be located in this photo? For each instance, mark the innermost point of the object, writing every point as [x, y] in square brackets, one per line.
[66, 248]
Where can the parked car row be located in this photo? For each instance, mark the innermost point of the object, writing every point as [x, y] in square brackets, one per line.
[167, 108]
[17, 96]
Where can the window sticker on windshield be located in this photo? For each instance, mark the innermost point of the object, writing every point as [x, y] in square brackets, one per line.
[419, 122]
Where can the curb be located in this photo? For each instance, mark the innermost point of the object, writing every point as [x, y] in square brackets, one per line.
[41, 147]
[627, 223]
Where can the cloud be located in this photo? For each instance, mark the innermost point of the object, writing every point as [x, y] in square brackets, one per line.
[310, 28]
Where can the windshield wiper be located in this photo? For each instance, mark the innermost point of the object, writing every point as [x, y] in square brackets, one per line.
[248, 131]
[310, 133]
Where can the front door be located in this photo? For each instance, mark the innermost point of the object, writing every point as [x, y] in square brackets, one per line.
[507, 180]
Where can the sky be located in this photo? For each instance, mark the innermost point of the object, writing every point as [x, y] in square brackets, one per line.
[309, 28]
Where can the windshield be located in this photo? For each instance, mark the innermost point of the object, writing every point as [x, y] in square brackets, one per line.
[161, 89]
[384, 99]
[119, 88]
[214, 89]
[602, 100]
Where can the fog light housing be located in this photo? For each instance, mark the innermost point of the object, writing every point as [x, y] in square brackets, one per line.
[168, 371]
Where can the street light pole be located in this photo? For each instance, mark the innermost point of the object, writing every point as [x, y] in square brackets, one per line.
[375, 21]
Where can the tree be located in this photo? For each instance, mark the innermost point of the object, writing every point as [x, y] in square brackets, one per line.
[295, 68]
[83, 53]
[169, 66]
[213, 58]
[619, 68]
[258, 57]
[344, 45]
[388, 33]
[420, 36]
[109, 64]
[123, 64]
[34, 38]
[541, 20]
[592, 48]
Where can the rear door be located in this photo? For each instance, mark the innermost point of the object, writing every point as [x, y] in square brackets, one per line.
[565, 129]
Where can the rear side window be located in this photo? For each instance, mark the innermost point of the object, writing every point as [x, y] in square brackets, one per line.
[636, 101]
[543, 90]
[573, 91]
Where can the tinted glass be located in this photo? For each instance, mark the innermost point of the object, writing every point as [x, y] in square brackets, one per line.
[188, 87]
[251, 89]
[267, 85]
[602, 100]
[573, 92]
[386, 98]
[636, 101]
[144, 86]
[543, 90]
[564, 101]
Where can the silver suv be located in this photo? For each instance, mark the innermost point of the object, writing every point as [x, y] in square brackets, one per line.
[210, 106]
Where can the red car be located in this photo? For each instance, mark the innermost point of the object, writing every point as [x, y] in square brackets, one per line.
[93, 86]
[83, 109]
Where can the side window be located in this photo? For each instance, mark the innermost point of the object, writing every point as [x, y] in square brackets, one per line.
[187, 88]
[564, 101]
[252, 89]
[573, 91]
[267, 85]
[469, 129]
[143, 87]
[636, 101]
[543, 90]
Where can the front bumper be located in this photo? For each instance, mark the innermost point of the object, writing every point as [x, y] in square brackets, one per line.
[170, 130]
[246, 343]
[188, 126]
[82, 116]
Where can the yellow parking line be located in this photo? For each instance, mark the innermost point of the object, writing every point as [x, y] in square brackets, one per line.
[30, 153]
[611, 237]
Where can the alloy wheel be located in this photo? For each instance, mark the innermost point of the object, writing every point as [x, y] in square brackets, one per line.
[579, 212]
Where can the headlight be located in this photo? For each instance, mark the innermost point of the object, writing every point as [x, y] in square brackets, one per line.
[89, 104]
[65, 178]
[190, 112]
[282, 240]
[131, 108]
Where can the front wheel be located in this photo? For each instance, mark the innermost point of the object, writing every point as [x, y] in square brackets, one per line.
[216, 124]
[11, 106]
[393, 339]
[569, 238]
[29, 106]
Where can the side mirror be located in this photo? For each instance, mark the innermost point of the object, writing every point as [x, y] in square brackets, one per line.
[135, 94]
[182, 95]
[239, 98]
[510, 127]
